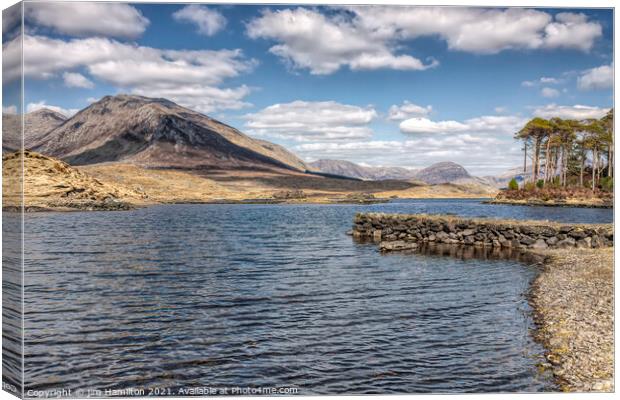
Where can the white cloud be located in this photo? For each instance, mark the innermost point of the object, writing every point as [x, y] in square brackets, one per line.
[572, 31]
[462, 148]
[596, 78]
[74, 79]
[368, 37]
[308, 39]
[549, 92]
[306, 121]
[208, 21]
[192, 78]
[483, 31]
[425, 125]
[577, 112]
[487, 123]
[88, 19]
[41, 104]
[199, 97]
[10, 109]
[500, 110]
[545, 80]
[408, 110]
[11, 20]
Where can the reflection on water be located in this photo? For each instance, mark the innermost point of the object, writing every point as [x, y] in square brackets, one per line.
[263, 295]
[462, 252]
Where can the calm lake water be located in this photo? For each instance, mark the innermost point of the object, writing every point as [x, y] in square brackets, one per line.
[184, 296]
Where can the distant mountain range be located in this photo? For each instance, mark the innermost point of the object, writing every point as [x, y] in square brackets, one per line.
[352, 170]
[158, 133]
[442, 172]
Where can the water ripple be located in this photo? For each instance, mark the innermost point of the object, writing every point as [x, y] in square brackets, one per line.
[217, 295]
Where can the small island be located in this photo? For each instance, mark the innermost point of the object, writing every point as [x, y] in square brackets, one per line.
[571, 164]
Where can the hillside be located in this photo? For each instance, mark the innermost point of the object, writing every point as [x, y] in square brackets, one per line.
[158, 133]
[50, 183]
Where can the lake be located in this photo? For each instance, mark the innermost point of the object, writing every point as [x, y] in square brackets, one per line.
[184, 296]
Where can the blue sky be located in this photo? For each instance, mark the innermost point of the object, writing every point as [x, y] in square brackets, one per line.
[402, 86]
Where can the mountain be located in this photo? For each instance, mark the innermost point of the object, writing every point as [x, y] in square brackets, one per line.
[352, 170]
[36, 125]
[158, 133]
[11, 128]
[501, 180]
[443, 172]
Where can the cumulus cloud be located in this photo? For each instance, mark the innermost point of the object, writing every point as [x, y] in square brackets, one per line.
[545, 80]
[208, 21]
[463, 148]
[11, 21]
[192, 78]
[407, 110]
[309, 39]
[487, 123]
[306, 121]
[596, 78]
[74, 79]
[578, 112]
[68, 112]
[88, 19]
[10, 109]
[369, 37]
[549, 92]
[572, 31]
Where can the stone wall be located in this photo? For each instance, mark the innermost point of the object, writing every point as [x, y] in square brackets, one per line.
[403, 231]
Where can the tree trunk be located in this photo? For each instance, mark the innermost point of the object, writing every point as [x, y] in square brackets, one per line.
[610, 162]
[565, 166]
[594, 162]
[583, 163]
[547, 160]
[536, 165]
[524, 159]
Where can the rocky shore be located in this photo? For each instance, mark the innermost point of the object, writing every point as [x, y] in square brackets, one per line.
[573, 301]
[553, 203]
[403, 231]
[572, 297]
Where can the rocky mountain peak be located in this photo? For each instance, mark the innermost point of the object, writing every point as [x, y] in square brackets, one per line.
[443, 172]
[157, 132]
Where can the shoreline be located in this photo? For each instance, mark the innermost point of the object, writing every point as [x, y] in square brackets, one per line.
[572, 301]
[127, 206]
[551, 203]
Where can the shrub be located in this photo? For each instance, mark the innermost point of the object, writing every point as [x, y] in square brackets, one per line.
[607, 184]
[529, 186]
[513, 185]
[540, 183]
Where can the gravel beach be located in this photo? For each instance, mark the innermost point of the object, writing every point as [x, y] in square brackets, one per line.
[573, 301]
